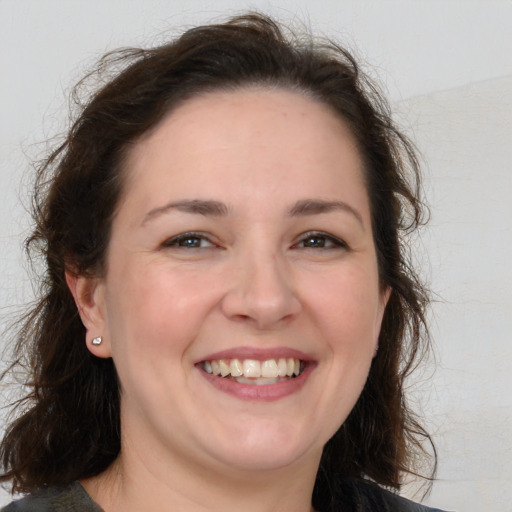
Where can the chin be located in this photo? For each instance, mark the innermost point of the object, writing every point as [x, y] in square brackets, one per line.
[256, 460]
[267, 446]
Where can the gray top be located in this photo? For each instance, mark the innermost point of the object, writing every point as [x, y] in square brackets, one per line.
[73, 498]
[367, 497]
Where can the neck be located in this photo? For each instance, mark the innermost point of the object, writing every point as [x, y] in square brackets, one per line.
[132, 484]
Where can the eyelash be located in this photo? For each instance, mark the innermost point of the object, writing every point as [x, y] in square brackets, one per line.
[178, 239]
[335, 242]
[331, 240]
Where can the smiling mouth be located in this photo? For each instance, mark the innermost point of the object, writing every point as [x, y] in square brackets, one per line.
[253, 371]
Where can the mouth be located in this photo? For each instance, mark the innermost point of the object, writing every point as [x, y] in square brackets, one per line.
[253, 371]
[257, 374]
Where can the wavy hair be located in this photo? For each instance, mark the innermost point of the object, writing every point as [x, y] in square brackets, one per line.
[68, 425]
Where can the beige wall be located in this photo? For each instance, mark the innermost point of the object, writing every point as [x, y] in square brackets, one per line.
[465, 135]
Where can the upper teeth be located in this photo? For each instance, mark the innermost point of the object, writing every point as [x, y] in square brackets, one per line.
[271, 368]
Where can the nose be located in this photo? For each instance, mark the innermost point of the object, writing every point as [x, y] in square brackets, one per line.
[261, 293]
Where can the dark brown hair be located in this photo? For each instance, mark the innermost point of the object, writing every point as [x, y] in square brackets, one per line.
[68, 426]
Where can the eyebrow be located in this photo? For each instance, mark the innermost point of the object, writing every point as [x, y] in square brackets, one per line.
[210, 208]
[317, 206]
[196, 206]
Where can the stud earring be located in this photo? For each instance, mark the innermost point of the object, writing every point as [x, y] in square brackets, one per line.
[97, 341]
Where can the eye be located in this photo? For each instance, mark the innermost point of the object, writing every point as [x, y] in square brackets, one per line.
[319, 240]
[189, 241]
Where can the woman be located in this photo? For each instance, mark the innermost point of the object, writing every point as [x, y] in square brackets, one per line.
[228, 316]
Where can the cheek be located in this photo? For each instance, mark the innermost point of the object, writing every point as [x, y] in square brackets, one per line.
[346, 309]
[156, 309]
[151, 324]
[347, 306]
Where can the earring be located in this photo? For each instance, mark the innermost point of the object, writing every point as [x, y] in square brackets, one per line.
[97, 341]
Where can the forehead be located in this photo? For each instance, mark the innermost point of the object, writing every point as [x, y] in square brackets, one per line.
[255, 109]
[254, 137]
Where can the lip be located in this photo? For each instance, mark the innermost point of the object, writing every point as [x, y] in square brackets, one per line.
[266, 392]
[257, 354]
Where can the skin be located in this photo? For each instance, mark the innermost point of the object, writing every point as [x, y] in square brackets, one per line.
[265, 274]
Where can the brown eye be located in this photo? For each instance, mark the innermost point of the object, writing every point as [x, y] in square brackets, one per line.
[316, 242]
[320, 241]
[189, 241]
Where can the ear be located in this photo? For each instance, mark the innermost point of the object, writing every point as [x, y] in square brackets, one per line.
[89, 295]
[383, 301]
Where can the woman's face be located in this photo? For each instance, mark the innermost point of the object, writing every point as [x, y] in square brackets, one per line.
[241, 253]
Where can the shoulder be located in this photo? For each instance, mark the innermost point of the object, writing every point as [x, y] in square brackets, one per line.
[374, 498]
[71, 498]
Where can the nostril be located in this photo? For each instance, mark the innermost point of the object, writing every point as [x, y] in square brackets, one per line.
[261, 309]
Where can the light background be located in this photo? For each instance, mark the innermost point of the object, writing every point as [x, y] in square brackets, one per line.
[447, 67]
